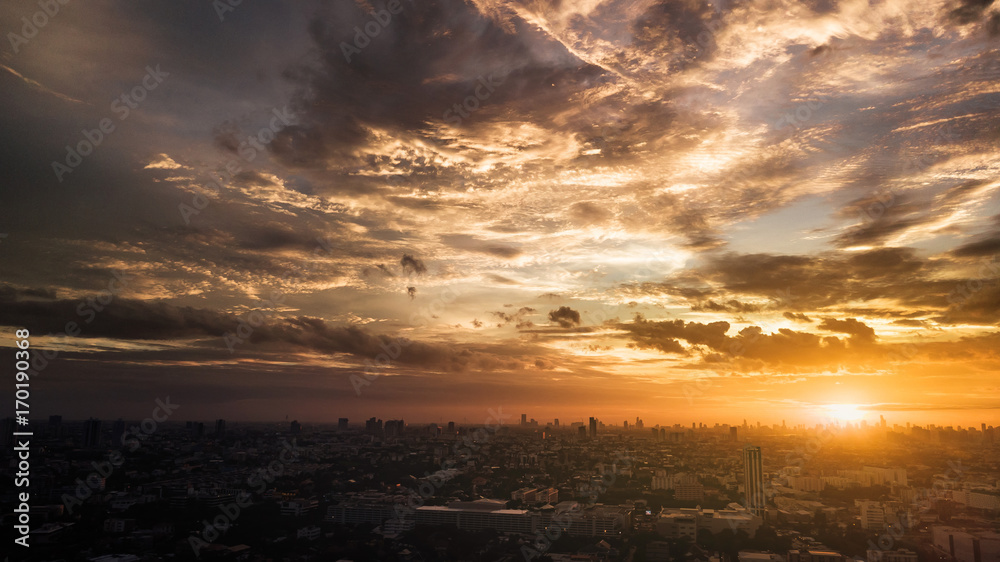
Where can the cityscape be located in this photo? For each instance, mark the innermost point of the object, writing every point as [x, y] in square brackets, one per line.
[511, 489]
[500, 280]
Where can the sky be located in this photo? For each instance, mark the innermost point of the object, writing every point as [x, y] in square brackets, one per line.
[673, 210]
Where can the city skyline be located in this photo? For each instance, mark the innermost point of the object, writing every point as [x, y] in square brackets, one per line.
[500, 280]
[770, 210]
[614, 423]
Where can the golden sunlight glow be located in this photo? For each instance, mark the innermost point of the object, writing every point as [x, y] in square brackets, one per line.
[844, 412]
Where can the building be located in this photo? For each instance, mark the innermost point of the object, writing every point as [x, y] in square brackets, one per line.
[891, 556]
[872, 515]
[816, 556]
[886, 476]
[92, 433]
[118, 433]
[806, 483]
[595, 521]
[295, 427]
[342, 424]
[118, 526]
[310, 533]
[965, 546]
[689, 492]
[355, 512]
[748, 556]
[220, 427]
[593, 428]
[569, 517]
[753, 480]
[536, 495]
[977, 500]
[675, 523]
[661, 481]
[476, 516]
[394, 428]
[298, 507]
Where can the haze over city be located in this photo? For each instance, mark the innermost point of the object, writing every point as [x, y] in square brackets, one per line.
[682, 211]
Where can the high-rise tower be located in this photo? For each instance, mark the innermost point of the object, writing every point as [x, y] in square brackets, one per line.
[753, 479]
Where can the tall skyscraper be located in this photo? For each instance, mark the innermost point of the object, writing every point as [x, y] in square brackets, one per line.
[593, 428]
[524, 419]
[451, 428]
[394, 428]
[753, 479]
[734, 434]
[220, 427]
[118, 433]
[295, 427]
[342, 424]
[92, 433]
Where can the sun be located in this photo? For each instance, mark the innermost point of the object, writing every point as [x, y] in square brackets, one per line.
[844, 412]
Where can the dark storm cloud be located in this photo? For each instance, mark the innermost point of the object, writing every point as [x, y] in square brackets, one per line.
[411, 264]
[981, 248]
[565, 316]
[429, 57]
[10, 294]
[127, 319]
[969, 11]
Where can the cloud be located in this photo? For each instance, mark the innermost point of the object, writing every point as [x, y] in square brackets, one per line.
[797, 317]
[473, 244]
[517, 318]
[813, 282]
[565, 316]
[980, 248]
[411, 264]
[969, 11]
[732, 305]
[589, 212]
[858, 330]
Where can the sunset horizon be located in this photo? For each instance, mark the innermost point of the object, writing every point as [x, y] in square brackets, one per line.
[684, 212]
